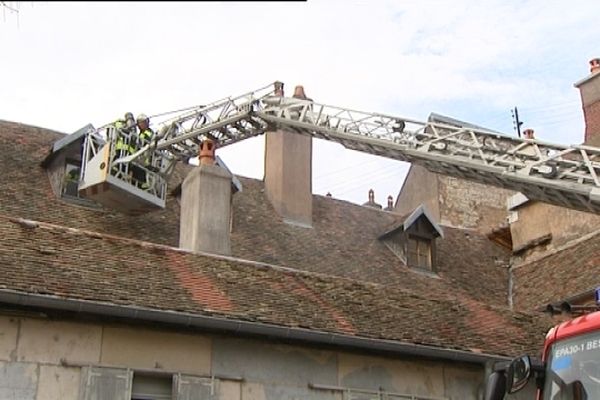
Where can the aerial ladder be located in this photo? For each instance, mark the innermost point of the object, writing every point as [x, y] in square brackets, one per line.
[557, 174]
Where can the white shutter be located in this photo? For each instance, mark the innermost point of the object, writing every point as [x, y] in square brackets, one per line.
[187, 387]
[105, 383]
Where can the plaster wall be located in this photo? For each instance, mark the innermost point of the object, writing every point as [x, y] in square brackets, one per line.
[535, 219]
[420, 187]
[452, 201]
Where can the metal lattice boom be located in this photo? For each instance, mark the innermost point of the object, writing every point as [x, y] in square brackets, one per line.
[557, 174]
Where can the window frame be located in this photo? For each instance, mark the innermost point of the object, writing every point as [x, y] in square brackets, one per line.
[71, 163]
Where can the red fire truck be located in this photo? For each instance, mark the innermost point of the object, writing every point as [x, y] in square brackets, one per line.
[570, 364]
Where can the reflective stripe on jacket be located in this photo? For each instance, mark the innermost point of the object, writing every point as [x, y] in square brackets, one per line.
[146, 135]
[121, 145]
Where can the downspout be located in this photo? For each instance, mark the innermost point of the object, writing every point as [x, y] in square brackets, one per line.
[510, 284]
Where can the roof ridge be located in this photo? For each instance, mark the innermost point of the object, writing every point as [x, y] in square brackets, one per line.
[394, 214]
[50, 130]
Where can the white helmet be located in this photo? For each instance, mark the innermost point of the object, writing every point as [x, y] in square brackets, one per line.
[142, 117]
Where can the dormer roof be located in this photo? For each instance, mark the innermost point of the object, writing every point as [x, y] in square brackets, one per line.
[406, 222]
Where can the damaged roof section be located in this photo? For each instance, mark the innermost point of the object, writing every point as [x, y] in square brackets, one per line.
[343, 243]
[557, 275]
[345, 278]
[127, 273]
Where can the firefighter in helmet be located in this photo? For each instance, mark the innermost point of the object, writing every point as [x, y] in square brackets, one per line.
[144, 136]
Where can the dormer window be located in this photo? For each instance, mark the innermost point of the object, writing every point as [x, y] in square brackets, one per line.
[413, 240]
[63, 165]
[419, 252]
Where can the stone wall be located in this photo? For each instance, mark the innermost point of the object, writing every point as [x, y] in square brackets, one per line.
[43, 359]
[453, 201]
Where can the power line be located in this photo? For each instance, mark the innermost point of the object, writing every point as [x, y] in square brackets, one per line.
[552, 112]
[345, 169]
[356, 185]
[557, 121]
[365, 175]
[550, 106]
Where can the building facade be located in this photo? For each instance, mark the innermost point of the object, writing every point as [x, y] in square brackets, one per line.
[244, 289]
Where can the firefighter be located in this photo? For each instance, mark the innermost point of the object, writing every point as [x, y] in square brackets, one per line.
[129, 123]
[124, 130]
[125, 127]
[144, 136]
[145, 133]
[125, 124]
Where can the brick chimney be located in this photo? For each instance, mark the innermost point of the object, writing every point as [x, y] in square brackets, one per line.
[589, 89]
[206, 206]
[288, 172]
[371, 202]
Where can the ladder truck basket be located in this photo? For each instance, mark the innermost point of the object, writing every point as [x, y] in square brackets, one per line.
[134, 187]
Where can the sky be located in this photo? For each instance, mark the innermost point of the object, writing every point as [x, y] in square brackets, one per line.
[66, 64]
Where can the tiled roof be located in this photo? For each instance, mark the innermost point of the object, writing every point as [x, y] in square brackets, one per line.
[29, 194]
[559, 275]
[352, 282]
[46, 259]
[344, 242]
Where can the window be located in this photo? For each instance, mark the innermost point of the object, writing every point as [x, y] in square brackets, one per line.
[70, 183]
[151, 387]
[99, 383]
[419, 252]
[413, 240]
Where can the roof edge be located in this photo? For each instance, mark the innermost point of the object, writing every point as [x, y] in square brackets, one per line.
[422, 210]
[64, 142]
[584, 80]
[241, 327]
[407, 221]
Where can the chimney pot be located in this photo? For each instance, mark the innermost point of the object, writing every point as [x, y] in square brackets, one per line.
[207, 152]
[299, 92]
[528, 134]
[595, 65]
[328, 194]
[278, 88]
[390, 202]
[371, 202]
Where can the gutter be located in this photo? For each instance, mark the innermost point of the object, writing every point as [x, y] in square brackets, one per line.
[241, 327]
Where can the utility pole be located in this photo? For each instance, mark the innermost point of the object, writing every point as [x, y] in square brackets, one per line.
[516, 123]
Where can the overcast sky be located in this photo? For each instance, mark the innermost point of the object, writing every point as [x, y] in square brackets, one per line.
[64, 65]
